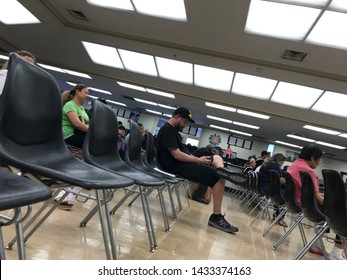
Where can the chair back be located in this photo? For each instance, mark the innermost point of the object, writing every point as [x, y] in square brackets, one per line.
[28, 125]
[134, 143]
[308, 199]
[100, 145]
[149, 155]
[335, 201]
[252, 181]
[289, 197]
[275, 188]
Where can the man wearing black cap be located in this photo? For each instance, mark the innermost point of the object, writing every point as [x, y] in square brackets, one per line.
[174, 156]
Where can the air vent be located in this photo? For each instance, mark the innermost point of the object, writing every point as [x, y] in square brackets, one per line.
[78, 15]
[294, 55]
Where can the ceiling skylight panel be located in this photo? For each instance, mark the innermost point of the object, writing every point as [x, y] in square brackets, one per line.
[170, 9]
[161, 93]
[113, 4]
[330, 30]
[213, 78]
[318, 3]
[339, 4]
[280, 20]
[253, 86]
[296, 95]
[131, 86]
[174, 70]
[13, 12]
[332, 103]
[104, 55]
[138, 62]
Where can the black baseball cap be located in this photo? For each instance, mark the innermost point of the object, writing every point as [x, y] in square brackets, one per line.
[184, 113]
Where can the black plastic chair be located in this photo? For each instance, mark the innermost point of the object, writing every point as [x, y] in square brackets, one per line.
[292, 208]
[15, 192]
[100, 149]
[276, 198]
[312, 213]
[31, 139]
[335, 204]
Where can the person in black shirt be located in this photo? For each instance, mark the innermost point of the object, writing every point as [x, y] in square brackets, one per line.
[174, 157]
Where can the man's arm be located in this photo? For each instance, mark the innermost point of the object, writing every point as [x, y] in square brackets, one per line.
[180, 156]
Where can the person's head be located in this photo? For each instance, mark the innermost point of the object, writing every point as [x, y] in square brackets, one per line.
[252, 162]
[142, 129]
[79, 94]
[218, 151]
[264, 154]
[276, 158]
[26, 55]
[180, 117]
[121, 131]
[312, 154]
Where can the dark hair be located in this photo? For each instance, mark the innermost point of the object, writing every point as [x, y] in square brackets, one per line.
[140, 124]
[22, 54]
[311, 151]
[68, 95]
[121, 127]
[264, 153]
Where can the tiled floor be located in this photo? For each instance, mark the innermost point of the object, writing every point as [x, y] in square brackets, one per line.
[60, 238]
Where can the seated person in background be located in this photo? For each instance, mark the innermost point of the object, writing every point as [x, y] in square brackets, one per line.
[273, 163]
[309, 159]
[175, 158]
[3, 72]
[121, 141]
[249, 166]
[263, 156]
[143, 132]
[75, 118]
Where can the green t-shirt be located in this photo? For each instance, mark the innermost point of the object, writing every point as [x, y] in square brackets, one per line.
[67, 125]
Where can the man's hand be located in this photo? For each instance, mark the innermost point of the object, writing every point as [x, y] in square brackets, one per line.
[205, 160]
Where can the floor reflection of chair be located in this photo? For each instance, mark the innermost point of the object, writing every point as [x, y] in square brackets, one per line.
[36, 145]
[335, 204]
[312, 213]
[16, 192]
[100, 149]
[293, 210]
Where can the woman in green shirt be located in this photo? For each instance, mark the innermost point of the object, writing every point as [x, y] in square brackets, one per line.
[75, 118]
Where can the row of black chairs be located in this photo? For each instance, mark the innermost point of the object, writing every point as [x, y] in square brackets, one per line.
[31, 141]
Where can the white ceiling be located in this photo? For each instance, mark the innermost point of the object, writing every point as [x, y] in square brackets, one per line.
[213, 36]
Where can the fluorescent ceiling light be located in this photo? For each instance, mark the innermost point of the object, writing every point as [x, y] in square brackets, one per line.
[161, 93]
[131, 86]
[219, 127]
[240, 132]
[343, 135]
[4, 57]
[221, 107]
[252, 86]
[79, 74]
[138, 62]
[100, 90]
[339, 5]
[332, 103]
[219, 119]
[296, 95]
[318, 3]
[13, 12]
[92, 96]
[113, 4]
[246, 125]
[170, 9]
[167, 115]
[280, 20]
[167, 106]
[145, 101]
[252, 114]
[331, 145]
[104, 55]
[174, 70]
[330, 30]
[154, 112]
[300, 138]
[53, 68]
[213, 78]
[322, 130]
[71, 84]
[116, 103]
[288, 144]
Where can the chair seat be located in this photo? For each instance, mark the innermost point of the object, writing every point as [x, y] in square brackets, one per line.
[17, 191]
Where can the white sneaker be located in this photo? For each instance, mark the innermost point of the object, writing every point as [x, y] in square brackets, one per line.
[334, 255]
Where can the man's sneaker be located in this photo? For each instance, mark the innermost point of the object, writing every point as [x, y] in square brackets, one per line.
[315, 249]
[219, 222]
[336, 255]
[237, 178]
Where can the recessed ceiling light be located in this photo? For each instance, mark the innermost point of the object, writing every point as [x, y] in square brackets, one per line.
[246, 125]
[131, 86]
[100, 90]
[218, 119]
[4, 57]
[300, 138]
[240, 132]
[288, 144]
[322, 130]
[221, 107]
[175, 70]
[145, 101]
[339, 5]
[331, 145]
[167, 106]
[252, 114]
[53, 68]
[161, 93]
[153, 112]
[116, 103]
[113, 4]
[219, 127]
[138, 62]
[13, 12]
[343, 135]
[332, 103]
[78, 74]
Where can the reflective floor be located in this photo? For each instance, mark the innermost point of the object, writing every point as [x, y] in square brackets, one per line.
[60, 238]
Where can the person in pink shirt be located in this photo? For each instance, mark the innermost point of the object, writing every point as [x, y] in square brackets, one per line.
[309, 159]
